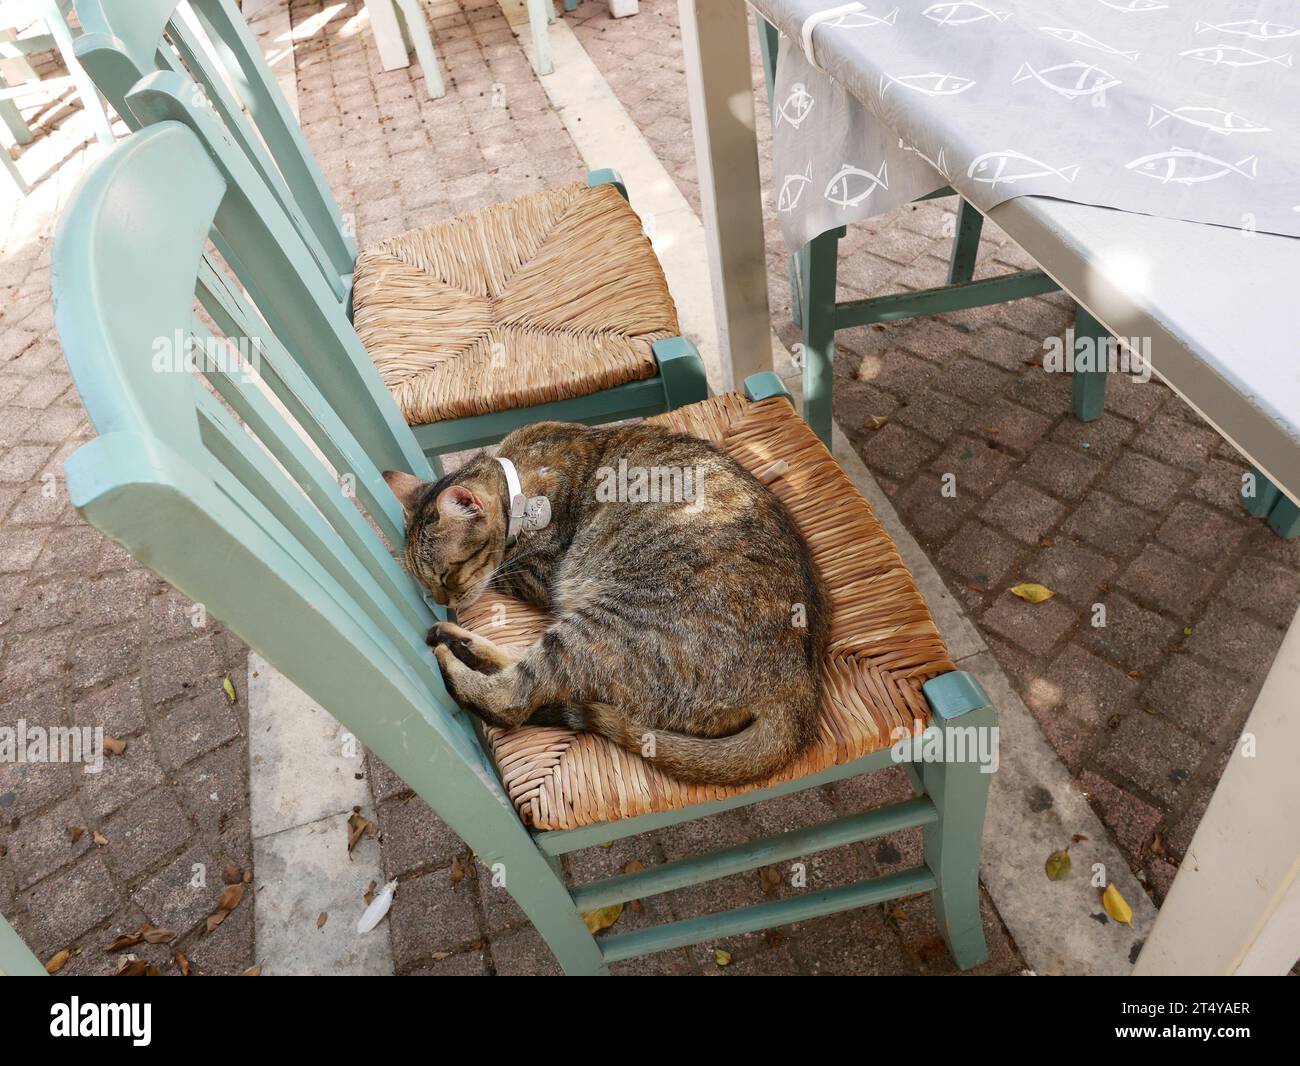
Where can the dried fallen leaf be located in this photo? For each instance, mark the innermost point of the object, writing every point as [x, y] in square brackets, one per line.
[138, 968]
[159, 936]
[359, 826]
[76, 832]
[228, 687]
[320, 922]
[230, 897]
[57, 962]
[1157, 845]
[1078, 838]
[722, 958]
[634, 867]
[182, 963]
[603, 917]
[114, 746]
[253, 971]
[99, 838]
[1032, 592]
[127, 940]
[369, 894]
[1116, 905]
[232, 874]
[875, 422]
[457, 871]
[1058, 865]
[215, 919]
[769, 879]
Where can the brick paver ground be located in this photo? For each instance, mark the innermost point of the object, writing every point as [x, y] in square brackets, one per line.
[90, 638]
[1136, 512]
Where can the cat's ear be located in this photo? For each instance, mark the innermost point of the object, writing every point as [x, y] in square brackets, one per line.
[456, 501]
[406, 487]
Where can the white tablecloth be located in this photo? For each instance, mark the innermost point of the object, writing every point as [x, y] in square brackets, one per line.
[1152, 106]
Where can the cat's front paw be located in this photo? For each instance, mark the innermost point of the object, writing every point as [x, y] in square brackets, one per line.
[474, 651]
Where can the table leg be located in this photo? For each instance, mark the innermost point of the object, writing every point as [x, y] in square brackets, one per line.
[388, 34]
[1235, 905]
[715, 44]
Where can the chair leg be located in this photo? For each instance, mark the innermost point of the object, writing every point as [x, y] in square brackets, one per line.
[549, 906]
[1263, 499]
[966, 243]
[682, 372]
[817, 268]
[537, 20]
[11, 169]
[91, 101]
[1284, 519]
[1089, 386]
[13, 120]
[1259, 495]
[959, 790]
[416, 29]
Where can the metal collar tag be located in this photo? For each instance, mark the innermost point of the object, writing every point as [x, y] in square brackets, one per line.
[526, 512]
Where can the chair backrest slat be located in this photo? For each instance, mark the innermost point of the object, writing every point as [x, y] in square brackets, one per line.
[239, 321]
[275, 120]
[330, 491]
[124, 41]
[246, 475]
[274, 267]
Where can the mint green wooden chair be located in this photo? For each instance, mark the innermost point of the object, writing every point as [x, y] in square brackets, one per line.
[247, 502]
[209, 48]
[14, 53]
[819, 315]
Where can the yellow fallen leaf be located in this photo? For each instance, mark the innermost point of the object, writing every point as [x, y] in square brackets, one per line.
[57, 962]
[1058, 865]
[1032, 592]
[99, 838]
[722, 958]
[228, 687]
[1116, 905]
[603, 917]
[253, 971]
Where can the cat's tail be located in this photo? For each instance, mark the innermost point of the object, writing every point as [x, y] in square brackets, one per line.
[769, 743]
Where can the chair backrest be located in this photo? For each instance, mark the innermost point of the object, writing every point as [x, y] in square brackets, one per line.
[239, 480]
[208, 41]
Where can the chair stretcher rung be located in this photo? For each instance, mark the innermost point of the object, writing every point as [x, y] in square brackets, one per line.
[755, 853]
[959, 297]
[766, 915]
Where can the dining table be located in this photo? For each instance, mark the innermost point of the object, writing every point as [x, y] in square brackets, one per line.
[1155, 245]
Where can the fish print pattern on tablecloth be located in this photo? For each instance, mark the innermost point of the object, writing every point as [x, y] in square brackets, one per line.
[1148, 106]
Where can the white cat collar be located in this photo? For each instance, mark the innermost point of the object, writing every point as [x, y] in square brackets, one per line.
[526, 512]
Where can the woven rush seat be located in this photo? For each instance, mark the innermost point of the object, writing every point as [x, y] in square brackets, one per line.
[546, 297]
[884, 644]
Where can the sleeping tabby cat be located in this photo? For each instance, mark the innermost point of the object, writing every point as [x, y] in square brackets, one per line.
[690, 630]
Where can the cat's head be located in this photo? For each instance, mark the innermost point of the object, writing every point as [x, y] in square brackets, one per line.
[455, 530]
